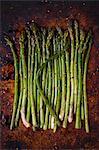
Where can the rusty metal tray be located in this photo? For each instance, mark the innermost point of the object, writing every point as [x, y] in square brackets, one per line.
[17, 13]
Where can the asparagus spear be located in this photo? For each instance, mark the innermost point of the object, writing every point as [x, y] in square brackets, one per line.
[68, 90]
[50, 34]
[75, 65]
[53, 95]
[81, 46]
[21, 92]
[84, 46]
[78, 113]
[24, 69]
[29, 55]
[34, 121]
[11, 44]
[43, 79]
[84, 86]
[37, 63]
[58, 81]
[34, 84]
[70, 117]
[62, 109]
[55, 75]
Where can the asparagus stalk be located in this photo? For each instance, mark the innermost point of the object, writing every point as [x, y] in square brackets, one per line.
[66, 43]
[78, 113]
[62, 109]
[37, 63]
[29, 55]
[84, 86]
[33, 111]
[75, 65]
[34, 84]
[55, 85]
[81, 46]
[43, 79]
[52, 90]
[10, 43]
[53, 95]
[68, 90]
[55, 82]
[70, 117]
[49, 96]
[21, 92]
[61, 115]
[84, 46]
[24, 69]
[50, 34]
[58, 82]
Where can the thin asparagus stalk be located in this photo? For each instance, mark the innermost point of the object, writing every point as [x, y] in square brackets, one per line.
[81, 46]
[43, 79]
[50, 34]
[53, 95]
[49, 96]
[70, 117]
[29, 55]
[62, 109]
[55, 82]
[21, 92]
[10, 43]
[34, 84]
[82, 108]
[68, 90]
[34, 121]
[63, 41]
[37, 63]
[79, 101]
[68, 80]
[75, 65]
[24, 69]
[51, 102]
[84, 46]
[58, 82]
[84, 87]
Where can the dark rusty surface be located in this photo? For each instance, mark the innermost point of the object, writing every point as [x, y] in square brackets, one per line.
[13, 16]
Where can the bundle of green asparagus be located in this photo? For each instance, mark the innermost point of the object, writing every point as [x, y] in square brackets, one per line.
[50, 77]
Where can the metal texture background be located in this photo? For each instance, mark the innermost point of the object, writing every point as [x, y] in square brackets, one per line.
[14, 15]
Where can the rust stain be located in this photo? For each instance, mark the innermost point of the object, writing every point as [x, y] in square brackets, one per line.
[63, 138]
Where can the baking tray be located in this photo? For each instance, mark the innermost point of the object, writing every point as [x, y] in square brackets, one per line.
[14, 15]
